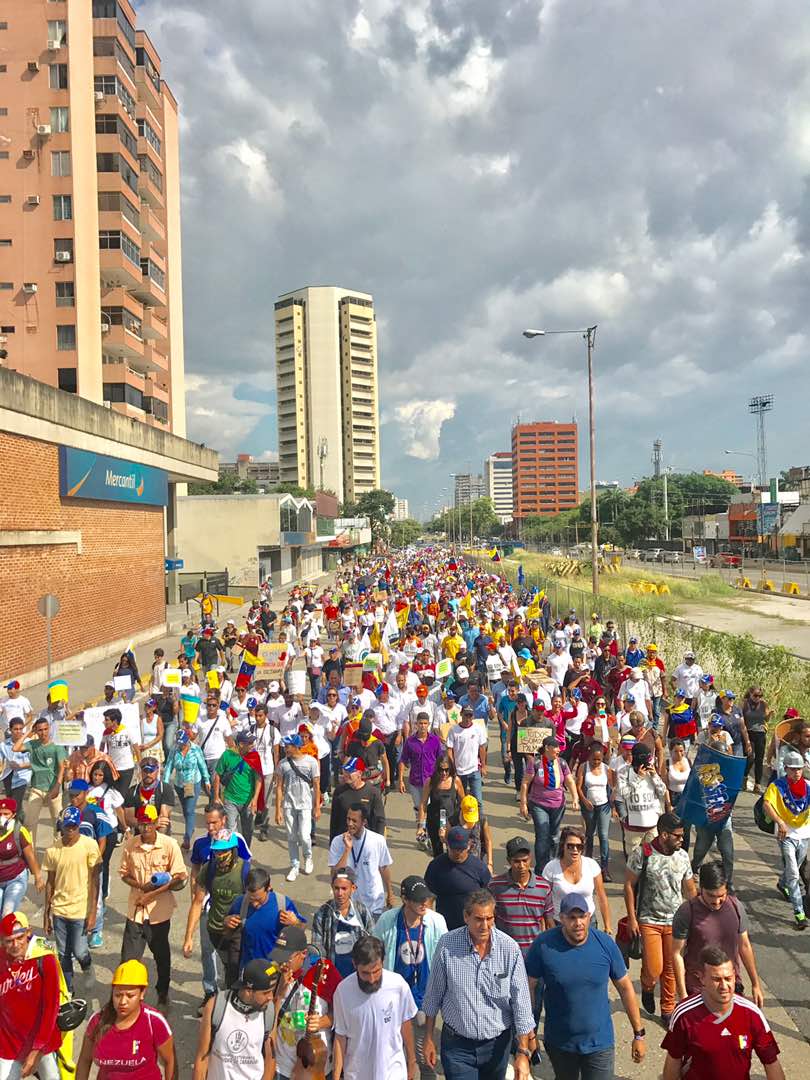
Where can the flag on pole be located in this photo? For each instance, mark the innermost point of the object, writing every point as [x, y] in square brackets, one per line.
[364, 647]
[533, 610]
[402, 616]
[391, 629]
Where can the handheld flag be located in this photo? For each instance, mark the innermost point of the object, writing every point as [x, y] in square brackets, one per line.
[190, 704]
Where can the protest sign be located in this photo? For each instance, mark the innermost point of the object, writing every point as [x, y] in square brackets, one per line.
[530, 739]
[58, 690]
[444, 668]
[70, 733]
[130, 717]
[170, 677]
[212, 678]
[122, 683]
[353, 676]
[272, 660]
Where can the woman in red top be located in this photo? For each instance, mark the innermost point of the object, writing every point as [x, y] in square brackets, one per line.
[127, 1040]
[17, 858]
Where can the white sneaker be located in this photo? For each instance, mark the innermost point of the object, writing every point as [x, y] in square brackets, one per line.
[308, 865]
[292, 873]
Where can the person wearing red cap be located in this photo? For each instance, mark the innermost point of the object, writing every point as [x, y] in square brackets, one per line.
[17, 858]
[29, 988]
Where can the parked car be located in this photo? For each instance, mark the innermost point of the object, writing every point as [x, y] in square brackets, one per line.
[671, 557]
[726, 559]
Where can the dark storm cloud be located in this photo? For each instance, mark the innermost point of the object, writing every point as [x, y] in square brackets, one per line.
[479, 166]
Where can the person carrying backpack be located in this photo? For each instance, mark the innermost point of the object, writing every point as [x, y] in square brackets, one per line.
[236, 1025]
[222, 878]
[256, 918]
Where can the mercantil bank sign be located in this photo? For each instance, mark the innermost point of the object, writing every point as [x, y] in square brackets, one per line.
[85, 475]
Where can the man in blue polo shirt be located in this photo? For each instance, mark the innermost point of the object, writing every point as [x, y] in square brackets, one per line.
[260, 914]
[575, 963]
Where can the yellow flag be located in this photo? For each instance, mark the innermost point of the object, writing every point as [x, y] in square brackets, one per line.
[402, 616]
[466, 603]
[374, 638]
[533, 610]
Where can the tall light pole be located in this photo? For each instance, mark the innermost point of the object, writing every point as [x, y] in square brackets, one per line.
[589, 336]
[323, 453]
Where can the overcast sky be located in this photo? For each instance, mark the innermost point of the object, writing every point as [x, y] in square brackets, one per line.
[484, 165]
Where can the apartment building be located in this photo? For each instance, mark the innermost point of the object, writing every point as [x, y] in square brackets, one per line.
[545, 468]
[265, 473]
[468, 488]
[498, 483]
[91, 289]
[400, 511]
[328, 398]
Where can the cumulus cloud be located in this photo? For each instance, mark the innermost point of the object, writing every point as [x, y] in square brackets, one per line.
[421, 423]
[482, 167]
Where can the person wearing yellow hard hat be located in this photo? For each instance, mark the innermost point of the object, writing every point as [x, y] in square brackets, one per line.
[126, 1037]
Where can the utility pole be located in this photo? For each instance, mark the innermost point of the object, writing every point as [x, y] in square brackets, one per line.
[323, 453]
[666, 507]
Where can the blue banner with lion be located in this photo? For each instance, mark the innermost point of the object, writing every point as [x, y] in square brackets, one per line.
[712, 788]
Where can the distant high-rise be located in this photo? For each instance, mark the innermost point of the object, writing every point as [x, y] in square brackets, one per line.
[544, 468]
[328, 400]
[469, 487]
[400, 511]
[498, 483]
[93, 297]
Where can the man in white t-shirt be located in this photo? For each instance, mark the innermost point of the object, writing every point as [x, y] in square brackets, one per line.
[637, 687]
[558, 662]
[373, 1010]
[687, 675]
[275, 703]
[268, 741]
[214, 733]
[292, 716]
[367, 853]
[467, 743]
[15, 705]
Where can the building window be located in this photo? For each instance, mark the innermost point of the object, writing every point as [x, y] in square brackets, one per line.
[145, 61]
[63, 208]
[111, 9]
[6, 285]
[60, 119]
[67, 379]
[6, 329]
[4, 155]
[146, 131]
[115, 201]
[123, 392]
[149, 269]
[5, 198]
[65, 294]
[114, 239]
[66, 338]
[60, 163]
[3, 26]
[57, 31]
[148, 167]
[157, 408]
[63, 245]
[3, 69]
[121, 316]
[3, 111]
[5, 243]
[58, 76]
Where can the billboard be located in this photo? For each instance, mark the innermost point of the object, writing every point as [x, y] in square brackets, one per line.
[85, 475]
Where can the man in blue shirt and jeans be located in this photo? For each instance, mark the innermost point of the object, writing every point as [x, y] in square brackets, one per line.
[575, 963]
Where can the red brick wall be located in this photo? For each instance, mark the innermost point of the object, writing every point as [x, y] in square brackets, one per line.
[115, 588]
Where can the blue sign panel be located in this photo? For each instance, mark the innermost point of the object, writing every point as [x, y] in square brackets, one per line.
[174, 564]
[84, 475]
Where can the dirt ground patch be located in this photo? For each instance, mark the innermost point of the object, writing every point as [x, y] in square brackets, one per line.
[773, 620]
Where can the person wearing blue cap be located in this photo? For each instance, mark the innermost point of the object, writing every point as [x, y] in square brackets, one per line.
[72, 868]
[575, 963]
[298, 802]
[731, 714]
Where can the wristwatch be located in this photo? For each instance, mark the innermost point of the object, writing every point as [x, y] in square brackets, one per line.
[640, 1034]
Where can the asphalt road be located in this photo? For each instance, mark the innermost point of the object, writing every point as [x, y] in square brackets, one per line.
[783, 955]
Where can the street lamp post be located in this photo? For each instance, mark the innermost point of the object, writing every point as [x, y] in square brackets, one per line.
[589, 335]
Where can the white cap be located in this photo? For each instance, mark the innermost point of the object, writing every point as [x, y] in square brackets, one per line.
[230, 622]
[185, 673]
[462, 672]
[273, 687]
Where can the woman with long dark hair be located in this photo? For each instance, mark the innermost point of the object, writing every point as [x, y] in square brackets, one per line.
[108, 803]
[126, 1037]
[441, 802]
[756, 715]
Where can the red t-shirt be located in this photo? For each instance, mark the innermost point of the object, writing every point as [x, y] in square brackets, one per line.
[28, 1007]
[131, 1053]
[712, 1046]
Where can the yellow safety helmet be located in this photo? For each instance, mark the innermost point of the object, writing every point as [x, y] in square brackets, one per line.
[131, 973]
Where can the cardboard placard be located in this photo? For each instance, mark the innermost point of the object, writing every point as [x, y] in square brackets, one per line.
[122, 682]
[130, 717]
[444, 668]
[353, 676]
[171, 677]
[372, 662]
[272, 660]
[530, 739]
[297, 681]
[70, 733]
[58, 690]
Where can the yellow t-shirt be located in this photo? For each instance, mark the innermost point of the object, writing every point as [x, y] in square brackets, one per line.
[72, 867]
[452, 646]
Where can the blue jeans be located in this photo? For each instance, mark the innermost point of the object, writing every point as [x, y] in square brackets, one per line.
[473, 785]
[793, 853]
[169, 736]
[209, 959]
[570, 1066]
[598, 821]
[704, 837]
[469, 1059]
[507, 767]
[546, 833]
[71, 942]
[12, 893]
[189, 805]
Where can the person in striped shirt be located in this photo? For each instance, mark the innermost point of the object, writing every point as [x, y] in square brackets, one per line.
[523, 906]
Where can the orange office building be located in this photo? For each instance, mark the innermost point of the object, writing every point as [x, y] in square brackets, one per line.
[90, 260]
[544, 468]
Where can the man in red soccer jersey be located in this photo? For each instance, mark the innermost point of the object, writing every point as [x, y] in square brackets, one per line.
[29, 1002]
[716, 1032]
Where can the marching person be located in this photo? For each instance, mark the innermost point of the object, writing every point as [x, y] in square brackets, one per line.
[715, 1033]
[410, 935]
[298, 802]
[542, 794]
[235, 1028]
[478, 982]
[152, 866]
[341, 921]
[578, 1033]
[259, 915]
[367, 853]
[29, 1003]
[126, 1037]
[787, 803]
[364, 1047]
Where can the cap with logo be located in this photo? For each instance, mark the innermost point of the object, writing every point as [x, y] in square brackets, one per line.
[8, 806]
[291, 939]
[458, 838]
[469, 809]
[516, 846]
[414, 888]
[79, 785]
[225, 840]
[259, 974]
[146, 815]
[344, 872]
[16, 922]
[71, 818]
